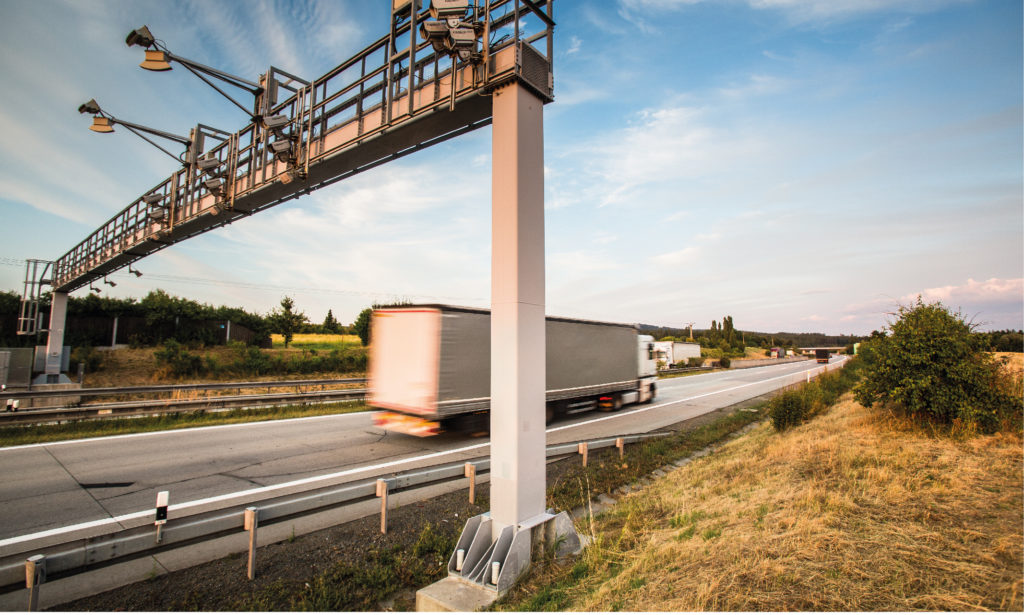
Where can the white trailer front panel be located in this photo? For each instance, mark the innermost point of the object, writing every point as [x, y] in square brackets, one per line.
[404, 359]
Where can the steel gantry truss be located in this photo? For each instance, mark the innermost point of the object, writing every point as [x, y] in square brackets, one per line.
[368, 110]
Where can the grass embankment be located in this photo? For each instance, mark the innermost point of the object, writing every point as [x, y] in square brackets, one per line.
[33, 434]
[852, 511]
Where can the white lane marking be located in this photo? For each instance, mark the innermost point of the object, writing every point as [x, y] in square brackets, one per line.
[379, 466]
[187, 430]
[229, 496]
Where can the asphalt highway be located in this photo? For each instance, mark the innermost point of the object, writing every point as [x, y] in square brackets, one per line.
[57, 491]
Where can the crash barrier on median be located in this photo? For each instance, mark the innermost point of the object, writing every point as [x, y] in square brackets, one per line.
[176, 388]
[162, 406]
[82, 555]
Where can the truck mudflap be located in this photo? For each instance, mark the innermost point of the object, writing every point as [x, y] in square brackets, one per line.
[403, 423]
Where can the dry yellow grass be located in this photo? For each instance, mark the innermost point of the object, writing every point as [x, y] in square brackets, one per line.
[1014, 361]
[844, 513]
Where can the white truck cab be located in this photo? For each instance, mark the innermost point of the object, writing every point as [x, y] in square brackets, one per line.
[647, 369]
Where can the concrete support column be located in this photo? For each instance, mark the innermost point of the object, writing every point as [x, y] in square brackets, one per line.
[518, 477]
[55, 337]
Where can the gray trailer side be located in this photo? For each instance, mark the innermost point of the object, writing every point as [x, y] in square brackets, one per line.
[582, 358]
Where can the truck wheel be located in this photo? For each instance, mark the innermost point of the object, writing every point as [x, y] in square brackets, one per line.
[653, 393]
[549, 414]
[617, 403]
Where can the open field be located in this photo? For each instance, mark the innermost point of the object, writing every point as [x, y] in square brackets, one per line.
[316, 341]
[853, 511]
[1014, 361]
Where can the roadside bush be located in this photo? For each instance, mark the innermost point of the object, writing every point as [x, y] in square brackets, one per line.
[725, 362]
[695, 361]
[789, 409]
[88, 356]
[710, 353]
[178, 360]
[931, 367]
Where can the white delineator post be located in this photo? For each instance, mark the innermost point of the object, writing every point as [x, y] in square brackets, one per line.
[518, 478]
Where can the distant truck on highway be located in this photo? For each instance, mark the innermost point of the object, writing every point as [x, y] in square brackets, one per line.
[822, 355]
[430, 368]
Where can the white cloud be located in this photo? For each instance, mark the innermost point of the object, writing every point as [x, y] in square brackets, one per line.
[974, 293]
[575, 43]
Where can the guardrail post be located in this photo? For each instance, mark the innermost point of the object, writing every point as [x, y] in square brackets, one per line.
[382, 493]
[621, 445]
[471, 475]
[582, 449]
[251, 521]
[35, 575]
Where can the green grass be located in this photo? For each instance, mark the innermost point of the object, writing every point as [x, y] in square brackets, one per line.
[362, 585]
[33, 434]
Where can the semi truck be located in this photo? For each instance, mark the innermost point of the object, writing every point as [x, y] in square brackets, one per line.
[430, 368]
[821, 355]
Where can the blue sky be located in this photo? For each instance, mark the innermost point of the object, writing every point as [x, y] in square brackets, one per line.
[802, 165]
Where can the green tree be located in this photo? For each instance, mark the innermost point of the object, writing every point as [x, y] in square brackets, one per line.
[287, 321]
[330, 324]
[931, 366]
[361, 326]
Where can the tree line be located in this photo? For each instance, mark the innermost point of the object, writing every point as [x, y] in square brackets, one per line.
[166, 317]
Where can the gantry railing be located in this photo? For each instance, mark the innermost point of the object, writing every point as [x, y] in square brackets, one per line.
[396, 96]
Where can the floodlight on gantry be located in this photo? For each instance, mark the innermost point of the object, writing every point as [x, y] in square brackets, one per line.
[141, 37]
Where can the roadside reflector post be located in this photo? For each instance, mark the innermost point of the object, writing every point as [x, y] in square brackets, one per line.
[460, 559]
[35, 575]
[161, 512]
[582, 448]
[621, 445]
[382, 493]
[471, 475]
[252, 518]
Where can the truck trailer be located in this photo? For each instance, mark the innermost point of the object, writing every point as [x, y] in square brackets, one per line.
[822, 355]
[430, 368]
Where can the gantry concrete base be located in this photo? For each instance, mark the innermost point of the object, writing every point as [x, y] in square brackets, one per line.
[486, 570]
[40, 385]
[455, 595]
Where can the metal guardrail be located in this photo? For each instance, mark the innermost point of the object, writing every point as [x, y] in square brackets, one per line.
[85, 554]
[172, 388]
[685, 370]
[165, 406]
[739, 364]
